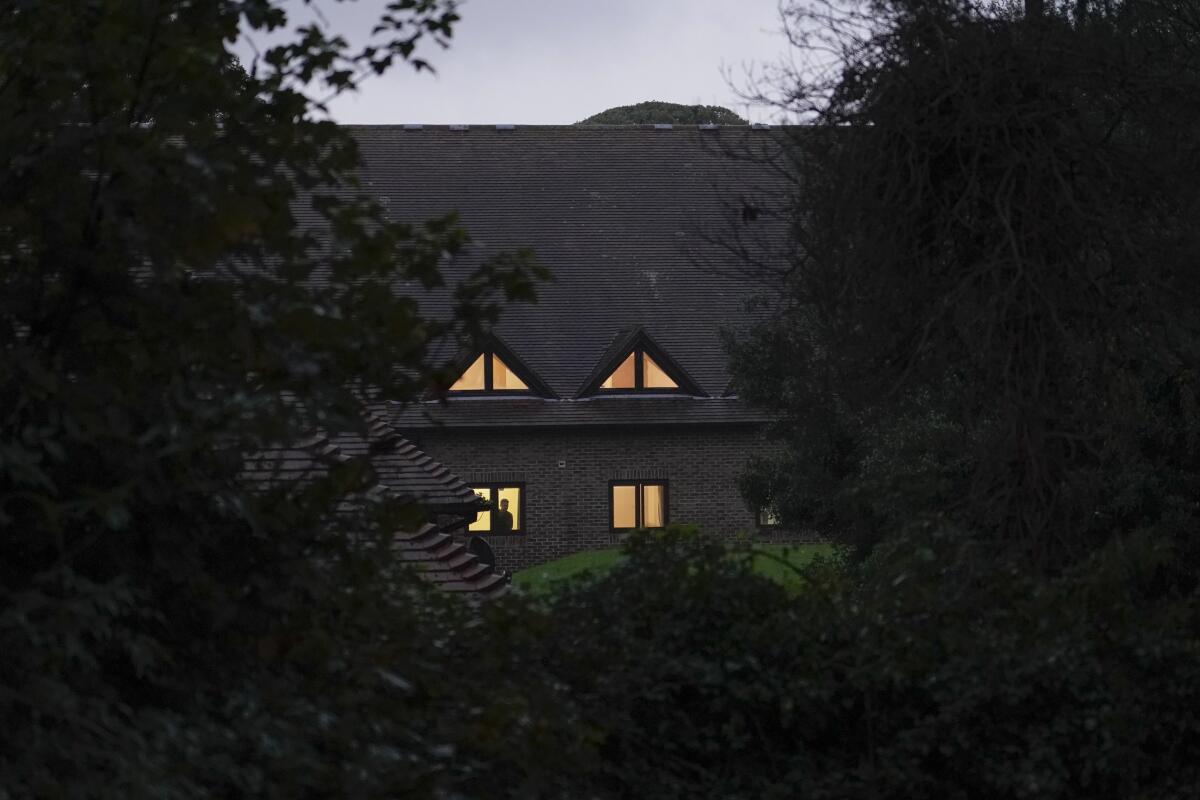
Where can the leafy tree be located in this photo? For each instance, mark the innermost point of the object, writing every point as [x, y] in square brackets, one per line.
[989, 317]
[654, 111]
[169, 630]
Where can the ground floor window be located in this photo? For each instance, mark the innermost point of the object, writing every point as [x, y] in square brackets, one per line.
[507, 513]
[638, 504]
[768, 517]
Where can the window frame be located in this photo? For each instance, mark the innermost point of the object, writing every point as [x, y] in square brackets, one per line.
[488, 355]
[639, 516]
[641, 352]
[518, 528]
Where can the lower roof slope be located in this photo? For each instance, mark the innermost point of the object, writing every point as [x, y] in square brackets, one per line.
[403, 471]
[406, 473]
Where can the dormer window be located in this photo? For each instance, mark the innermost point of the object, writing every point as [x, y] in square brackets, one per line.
[489, 373]
[635, 363]
[495, 369]
[638, 371]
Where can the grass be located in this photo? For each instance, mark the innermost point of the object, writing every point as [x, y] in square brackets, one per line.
[795, 554]
[542, 578]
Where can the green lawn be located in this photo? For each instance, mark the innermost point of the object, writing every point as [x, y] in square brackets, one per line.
[542, 577]
[795, 554]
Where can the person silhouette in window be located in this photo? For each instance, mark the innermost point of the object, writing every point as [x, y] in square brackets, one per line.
[503, 522]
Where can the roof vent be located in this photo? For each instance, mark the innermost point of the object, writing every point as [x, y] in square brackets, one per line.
[505, 127]
[459, 127]
[760, 126]
[662, 126]
[413, 127]
[707, 126]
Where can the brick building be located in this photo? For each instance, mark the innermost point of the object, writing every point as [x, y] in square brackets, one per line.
[606, 406]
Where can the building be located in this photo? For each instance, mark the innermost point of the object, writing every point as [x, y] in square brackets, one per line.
[607, 406]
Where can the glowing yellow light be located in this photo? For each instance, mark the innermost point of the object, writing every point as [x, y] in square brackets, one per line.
[623, 377]
[472, 378]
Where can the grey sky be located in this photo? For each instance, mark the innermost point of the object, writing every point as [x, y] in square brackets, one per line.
[558, 61]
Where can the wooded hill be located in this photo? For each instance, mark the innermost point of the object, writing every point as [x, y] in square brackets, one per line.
[656, 111]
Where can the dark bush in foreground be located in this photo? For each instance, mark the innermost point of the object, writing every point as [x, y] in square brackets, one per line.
[680, 673]
[699, 679]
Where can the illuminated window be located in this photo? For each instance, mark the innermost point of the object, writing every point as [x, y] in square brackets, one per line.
[474, 379]
[624, 376]
[507, 512]
[504, 378]
[638, 504]
[653, 376]
[769, 518]
[638, 372]
[489, 373]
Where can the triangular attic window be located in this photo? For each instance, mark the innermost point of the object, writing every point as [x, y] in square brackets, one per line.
[489, 373]
[505, 378]
[473, 379]
[638, 371]
[654, 377]
[624, 376]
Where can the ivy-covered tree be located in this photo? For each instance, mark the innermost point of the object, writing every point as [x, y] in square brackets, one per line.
[989, 318]
[168, 630]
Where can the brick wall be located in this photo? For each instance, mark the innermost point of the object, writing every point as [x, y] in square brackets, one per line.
[567, 473]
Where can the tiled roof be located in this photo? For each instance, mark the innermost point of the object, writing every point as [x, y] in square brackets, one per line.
[404, 472]
[290, 465]
[634, 223]
[602, 411]
[449, 565]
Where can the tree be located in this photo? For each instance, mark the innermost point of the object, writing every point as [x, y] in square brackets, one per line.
[653, 111]
[989, 318]
[162, 308]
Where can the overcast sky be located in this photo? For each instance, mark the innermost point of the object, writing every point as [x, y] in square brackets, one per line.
[558, 61]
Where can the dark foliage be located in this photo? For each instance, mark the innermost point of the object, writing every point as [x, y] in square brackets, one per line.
[990, 315]
[656, 111]
[894, 679]
[167, 629]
